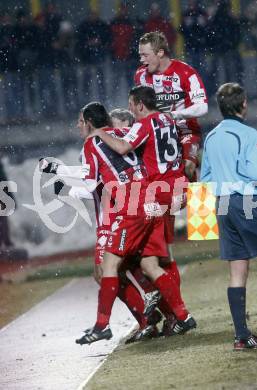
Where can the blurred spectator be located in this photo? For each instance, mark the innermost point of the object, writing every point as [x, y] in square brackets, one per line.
[194, 31]
[53, 19]
[48, 24]
[93, 36]
[249, 30]
[249, 22]
[224, 37]
[138, 27]
[156, 22]
[122, 36]
[66, 64]
[12, 83]
[5, 241]
[26, 40]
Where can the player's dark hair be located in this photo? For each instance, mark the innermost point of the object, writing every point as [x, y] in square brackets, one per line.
[230, 98]
[145, 95]
[96, 113]
[157, 40]
[123, 115]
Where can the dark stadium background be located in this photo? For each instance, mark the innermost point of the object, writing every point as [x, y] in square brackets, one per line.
[25, 139]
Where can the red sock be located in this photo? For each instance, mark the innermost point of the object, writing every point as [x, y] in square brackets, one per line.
[165, 309]
[107, 294]
[170, 292]
[172, 269]
[132, 298]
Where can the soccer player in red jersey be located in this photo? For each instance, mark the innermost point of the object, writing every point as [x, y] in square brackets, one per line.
[138, 227]
[128, 293]
[179, 90]
[156, 135]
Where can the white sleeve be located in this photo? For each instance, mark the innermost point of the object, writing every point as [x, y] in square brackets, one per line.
[80, 193]
[195, 111]
[78, 172]
[74, 176]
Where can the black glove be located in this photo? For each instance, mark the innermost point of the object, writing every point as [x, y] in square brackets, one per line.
[58, 186]
[47, 166]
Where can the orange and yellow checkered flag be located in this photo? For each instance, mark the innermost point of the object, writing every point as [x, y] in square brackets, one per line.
[201, 216]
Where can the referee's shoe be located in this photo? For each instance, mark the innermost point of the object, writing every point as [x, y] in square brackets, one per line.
[249, 343]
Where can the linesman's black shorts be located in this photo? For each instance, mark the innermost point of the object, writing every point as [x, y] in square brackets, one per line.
[237, 227]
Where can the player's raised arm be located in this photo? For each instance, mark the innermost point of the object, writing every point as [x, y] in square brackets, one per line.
[51, 165]
[70, 175]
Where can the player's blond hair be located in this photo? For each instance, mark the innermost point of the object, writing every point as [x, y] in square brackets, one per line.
[157, 40]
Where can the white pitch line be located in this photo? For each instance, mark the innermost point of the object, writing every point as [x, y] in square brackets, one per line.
[83, 384]
[38, 349]
[13, 322]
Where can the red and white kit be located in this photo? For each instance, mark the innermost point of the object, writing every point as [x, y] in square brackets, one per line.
[161, 155]
[102, 230]
[177, 88]
[117, 173]
[125, 181]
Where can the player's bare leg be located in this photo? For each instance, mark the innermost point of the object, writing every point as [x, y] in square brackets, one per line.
[98, 273]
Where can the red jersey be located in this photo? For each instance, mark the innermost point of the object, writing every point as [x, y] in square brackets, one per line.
[118, 171]
[178, 87]
[161, 152]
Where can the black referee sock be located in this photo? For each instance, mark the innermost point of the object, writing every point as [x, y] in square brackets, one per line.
[236, 299]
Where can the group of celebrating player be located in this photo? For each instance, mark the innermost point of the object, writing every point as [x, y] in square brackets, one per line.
[137, 174]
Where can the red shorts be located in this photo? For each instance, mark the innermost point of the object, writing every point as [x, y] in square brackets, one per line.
[102, 234]
[137, 235]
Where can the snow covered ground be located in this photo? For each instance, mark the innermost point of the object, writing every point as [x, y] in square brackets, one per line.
[38, 349]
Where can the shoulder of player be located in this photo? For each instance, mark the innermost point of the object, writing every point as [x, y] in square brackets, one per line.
[135, 128]
[87, 143]
[141, 70]
[90, 146]
[247, 131]
[180, 65]
[163, 117]
[219, 130]
[231, 123]
[146, 123]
